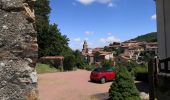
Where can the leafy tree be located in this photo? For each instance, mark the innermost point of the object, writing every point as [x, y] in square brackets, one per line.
[108, 49]
[107, 63]
[42, 10]
[79, 59]
[118, 51]
[69, 62]
[147, 56]
[123, 87]
[150, 37]
[50, 40]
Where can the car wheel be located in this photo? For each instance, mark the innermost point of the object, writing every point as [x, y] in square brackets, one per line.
[91, 80]
[103, 80]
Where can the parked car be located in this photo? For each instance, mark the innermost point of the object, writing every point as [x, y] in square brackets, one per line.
[103, 74]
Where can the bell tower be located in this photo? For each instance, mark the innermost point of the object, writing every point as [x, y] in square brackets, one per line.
[85, 47]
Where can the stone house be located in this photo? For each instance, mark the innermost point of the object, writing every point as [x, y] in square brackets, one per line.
[133, 50]
[122, 59]
[97, 55]
[102, 55]
[152, 48]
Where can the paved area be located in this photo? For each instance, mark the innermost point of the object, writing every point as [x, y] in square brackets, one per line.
[73, 85]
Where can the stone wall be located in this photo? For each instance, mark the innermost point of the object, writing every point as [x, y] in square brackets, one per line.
[18, 51]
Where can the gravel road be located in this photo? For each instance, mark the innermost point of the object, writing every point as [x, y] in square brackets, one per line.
[72, 85]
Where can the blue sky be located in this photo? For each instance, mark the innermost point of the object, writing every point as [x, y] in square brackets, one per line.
[102, 21]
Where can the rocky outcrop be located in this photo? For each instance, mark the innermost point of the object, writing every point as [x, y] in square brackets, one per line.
[18, 51]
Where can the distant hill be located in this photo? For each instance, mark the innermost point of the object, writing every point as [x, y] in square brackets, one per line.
[150, 37]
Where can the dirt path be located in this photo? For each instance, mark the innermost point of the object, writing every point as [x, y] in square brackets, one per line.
[71, 86]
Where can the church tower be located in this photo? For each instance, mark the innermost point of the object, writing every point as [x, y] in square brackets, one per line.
[85, 47]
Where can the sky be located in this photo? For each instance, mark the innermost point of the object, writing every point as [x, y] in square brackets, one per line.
[101, 22]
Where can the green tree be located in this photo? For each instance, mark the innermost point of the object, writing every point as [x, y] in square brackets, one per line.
[69, 62]
[123, 87]
[150, 37]
[42, 10]
[50, 40]
[147, 56]
[79, 59]
[107, 63]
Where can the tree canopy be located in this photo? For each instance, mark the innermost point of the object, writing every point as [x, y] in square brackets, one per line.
[123, 87]
[50, 40]
[150, 37]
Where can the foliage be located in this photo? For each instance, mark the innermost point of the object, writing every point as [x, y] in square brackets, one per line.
[123, 87]
[150, 37]
[130, 67]
[44, 68]
[141, 69]
[79, 59]
[134, 68]
[50, 40]
[108, 49]
[55, 63]
[146, 56]
[90, 67]
[107, 63]
[116, 51]
[69, 62]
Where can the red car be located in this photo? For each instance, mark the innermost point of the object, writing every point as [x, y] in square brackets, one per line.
[103, 74]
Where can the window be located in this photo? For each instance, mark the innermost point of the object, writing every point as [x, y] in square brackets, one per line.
[109, 70]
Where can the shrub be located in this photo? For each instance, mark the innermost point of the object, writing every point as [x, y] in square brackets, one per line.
[52, 63]
[69, 63]
[107, 63]
[90, 67]
[141, 73]
[123, 88]
[44, 68]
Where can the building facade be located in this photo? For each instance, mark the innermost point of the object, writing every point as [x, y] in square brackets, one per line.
[96, 55]
[163, 28]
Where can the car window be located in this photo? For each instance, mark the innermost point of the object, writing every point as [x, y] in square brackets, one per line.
[109, 70]
[97, 70]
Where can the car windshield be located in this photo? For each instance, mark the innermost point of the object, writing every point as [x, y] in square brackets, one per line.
[97, 70]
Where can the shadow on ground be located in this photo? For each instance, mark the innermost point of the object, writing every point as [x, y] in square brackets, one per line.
[98, 82]
[101, 96]
[142, 86]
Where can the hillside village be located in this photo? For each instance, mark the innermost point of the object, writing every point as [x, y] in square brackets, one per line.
[119, 52]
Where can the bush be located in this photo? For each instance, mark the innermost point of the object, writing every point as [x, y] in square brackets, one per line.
[69, 63]
[52, 63]
[123, 88]
[44, 68]
[107, 63]
[79, 60]
[90, 67]
[141, 73]
[134, 68]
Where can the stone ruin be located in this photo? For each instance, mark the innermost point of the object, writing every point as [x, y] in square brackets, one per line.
[18, 50]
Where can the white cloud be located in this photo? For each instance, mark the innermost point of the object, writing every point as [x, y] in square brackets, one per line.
[77, 39]
[104, 1]
[89, 33]
[153, 17]
[88, 2]
[112, 5]
[109, 33]
[109, 39]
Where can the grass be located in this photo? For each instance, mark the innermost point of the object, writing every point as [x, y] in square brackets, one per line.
[44, 68]
[141, 73]
[141, 69]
